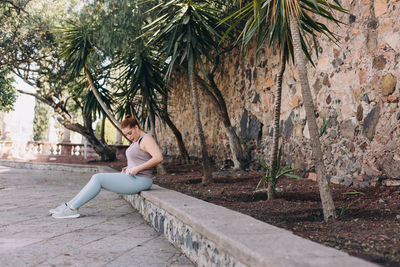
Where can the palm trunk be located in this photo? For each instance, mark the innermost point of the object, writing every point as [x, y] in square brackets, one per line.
[160, 166]
[324, 189]
[109, 115]
[175, 131]
[275, 140]
[207, 176]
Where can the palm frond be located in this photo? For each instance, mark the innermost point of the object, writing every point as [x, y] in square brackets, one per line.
[267, 21]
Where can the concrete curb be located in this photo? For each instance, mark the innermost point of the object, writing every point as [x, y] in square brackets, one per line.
[212, 235]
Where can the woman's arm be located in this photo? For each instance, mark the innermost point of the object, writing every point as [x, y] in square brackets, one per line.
[149, 145]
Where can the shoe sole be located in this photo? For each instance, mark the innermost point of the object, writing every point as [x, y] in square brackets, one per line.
[66, 217]
[53, 212]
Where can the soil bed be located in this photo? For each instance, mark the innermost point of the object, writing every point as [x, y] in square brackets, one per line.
[368, 227]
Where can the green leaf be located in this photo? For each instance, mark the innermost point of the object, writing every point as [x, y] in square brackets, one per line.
[354, 193]
[293, 176]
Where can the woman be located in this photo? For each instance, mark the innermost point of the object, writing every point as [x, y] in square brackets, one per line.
[142, 155]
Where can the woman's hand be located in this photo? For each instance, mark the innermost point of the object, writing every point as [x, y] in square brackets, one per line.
[133, 171]
[123, 170]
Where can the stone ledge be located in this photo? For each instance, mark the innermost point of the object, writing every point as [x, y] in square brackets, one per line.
[212, 235]
[54, 166]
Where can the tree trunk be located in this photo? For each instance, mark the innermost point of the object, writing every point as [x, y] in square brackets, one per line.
[238, 157]
[109, 115]
[160, 166]
[275, 140]
[211, 89]
[175, 131]
[102, 132]
[105, 152]
[324, 189]
[207, 176]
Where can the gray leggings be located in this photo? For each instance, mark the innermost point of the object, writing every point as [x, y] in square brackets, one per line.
[119, 183]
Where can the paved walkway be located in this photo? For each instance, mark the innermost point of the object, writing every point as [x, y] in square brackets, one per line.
[110, 233]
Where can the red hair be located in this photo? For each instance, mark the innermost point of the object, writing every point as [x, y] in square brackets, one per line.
[129, 122]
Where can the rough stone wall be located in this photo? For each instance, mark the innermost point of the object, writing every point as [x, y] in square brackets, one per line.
[195, 246]
[355, 88]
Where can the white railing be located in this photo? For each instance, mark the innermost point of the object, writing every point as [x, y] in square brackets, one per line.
[51, 151]
[32, 149]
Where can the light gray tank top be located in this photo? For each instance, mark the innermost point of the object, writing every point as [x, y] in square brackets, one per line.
[137, 156]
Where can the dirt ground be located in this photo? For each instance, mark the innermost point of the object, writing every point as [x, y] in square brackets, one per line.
[368, 226]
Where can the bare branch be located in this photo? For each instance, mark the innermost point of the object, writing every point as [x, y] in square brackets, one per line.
[15, 6]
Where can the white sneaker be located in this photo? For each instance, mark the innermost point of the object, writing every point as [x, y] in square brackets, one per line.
[66, 213]
[58, 209]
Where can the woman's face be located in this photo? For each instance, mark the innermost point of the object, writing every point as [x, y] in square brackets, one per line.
[132, 134]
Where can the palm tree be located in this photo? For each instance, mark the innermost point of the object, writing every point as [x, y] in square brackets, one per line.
[286, 24]
[184, 30]
[78, 51]
[143, 89]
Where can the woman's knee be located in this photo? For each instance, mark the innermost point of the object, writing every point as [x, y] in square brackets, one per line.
[97, 178]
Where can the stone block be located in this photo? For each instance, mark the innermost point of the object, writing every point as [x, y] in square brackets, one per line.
[298, 129]
[391, 182]
[379, 62]
[269, 83]
[323, 63]
[328, 99]
[380, 7]
[370, 122]
[337, 179]
[369, 171]
[392, 98]
[372, 40]
[360, 112]
[333, 134]
[295, 102]
[365, 98]
[312, 176]
[348, 128]
[347, 181]
[337, 62]
[389, 166]
[288, 126]
[362, 184]
[388, 84]
[317, 86]
[326, 81]
[386, 25]
[362, 76]
[250, 126]
[393, 40]
[256, 98]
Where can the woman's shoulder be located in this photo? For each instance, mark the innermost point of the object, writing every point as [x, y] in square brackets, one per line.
[146, 137]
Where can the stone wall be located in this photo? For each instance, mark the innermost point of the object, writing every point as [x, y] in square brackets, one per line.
[355, 90]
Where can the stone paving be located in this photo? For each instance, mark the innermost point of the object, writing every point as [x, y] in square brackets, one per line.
[109, 233]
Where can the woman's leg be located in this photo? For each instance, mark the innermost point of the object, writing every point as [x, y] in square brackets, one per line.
[120, 183]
